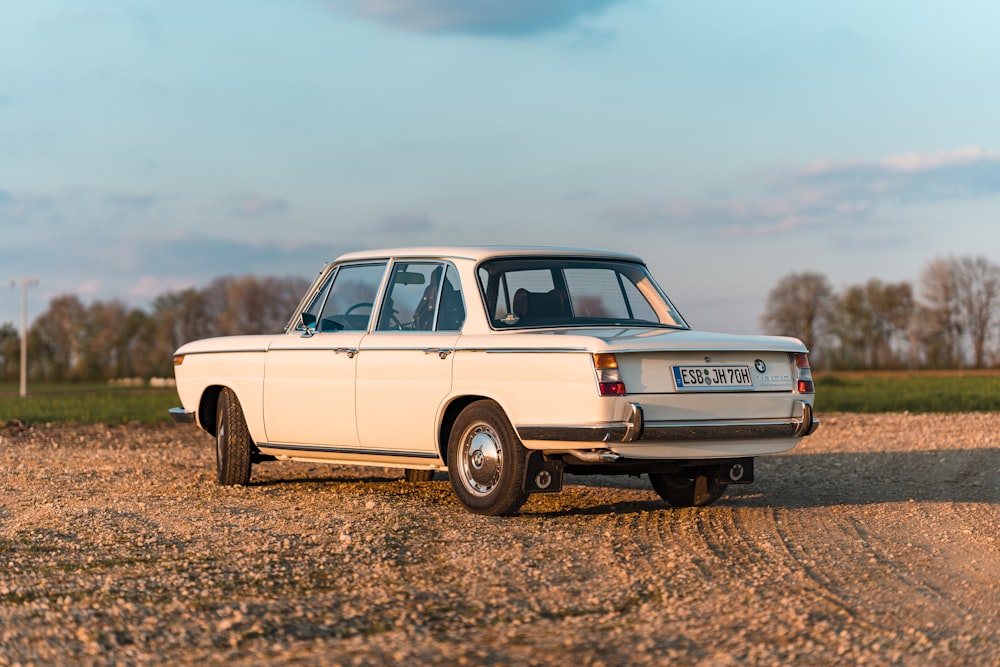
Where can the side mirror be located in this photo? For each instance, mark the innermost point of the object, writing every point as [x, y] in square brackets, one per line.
[307, 321]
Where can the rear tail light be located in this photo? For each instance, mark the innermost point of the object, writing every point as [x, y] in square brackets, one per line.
[609, 380]
[803, 374]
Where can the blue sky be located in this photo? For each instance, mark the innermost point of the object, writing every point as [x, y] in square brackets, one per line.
[148, 146]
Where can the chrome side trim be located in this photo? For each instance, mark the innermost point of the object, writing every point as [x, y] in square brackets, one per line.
[182, 416]
[346, 450]
[524, 350]
[192, 354]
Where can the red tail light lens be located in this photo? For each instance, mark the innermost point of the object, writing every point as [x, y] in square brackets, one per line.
[609, 380]
[803, 374]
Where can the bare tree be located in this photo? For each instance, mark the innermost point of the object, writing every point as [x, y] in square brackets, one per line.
[100, 341]
[10, 353]
[960, 296]
[56, 337]
[870, 323]
[938, 323]
[798, 306]
[978, 281]
[252, 304]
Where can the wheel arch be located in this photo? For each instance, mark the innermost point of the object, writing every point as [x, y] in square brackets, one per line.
[208, 408]
[451, 412]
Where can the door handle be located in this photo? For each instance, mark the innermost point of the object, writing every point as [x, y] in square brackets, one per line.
[441, 352]
[351, 352]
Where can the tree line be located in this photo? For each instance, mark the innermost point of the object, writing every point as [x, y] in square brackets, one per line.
[105, 340]
[949, 319]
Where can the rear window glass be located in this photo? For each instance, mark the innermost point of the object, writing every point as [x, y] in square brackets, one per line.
[555, 292]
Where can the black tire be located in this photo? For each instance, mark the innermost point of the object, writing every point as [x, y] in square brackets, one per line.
[486, 461]
[415, 475]
[233, 447]
[685, 491]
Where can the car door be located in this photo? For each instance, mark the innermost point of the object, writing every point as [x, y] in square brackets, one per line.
[405, 364]
[309, 375]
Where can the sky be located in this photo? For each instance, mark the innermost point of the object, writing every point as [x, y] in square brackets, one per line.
[153, 146]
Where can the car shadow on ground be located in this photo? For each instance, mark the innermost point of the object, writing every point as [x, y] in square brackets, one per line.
[855, 478]
[866, 478]
[786, 481]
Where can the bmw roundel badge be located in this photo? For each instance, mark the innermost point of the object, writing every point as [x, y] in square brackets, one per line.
[760, 365]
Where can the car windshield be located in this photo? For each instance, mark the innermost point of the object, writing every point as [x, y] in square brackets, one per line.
[557, 292]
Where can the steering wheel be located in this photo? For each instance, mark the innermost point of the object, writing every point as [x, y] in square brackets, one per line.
[363, 304]
[366, 304]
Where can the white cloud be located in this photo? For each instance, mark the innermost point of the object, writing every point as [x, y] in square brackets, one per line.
[252, 205]
[910, 162]
[149, 287]
[832, 192]
[490, 17]
[89, 288]
[405, 224]
[18, 206]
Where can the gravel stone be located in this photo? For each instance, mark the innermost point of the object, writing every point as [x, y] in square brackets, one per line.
[873, 542]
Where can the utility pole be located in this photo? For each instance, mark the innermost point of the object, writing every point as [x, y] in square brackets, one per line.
[25, 284]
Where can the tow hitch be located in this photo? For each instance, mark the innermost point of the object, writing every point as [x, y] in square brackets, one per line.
[739, 471]
[543, 475]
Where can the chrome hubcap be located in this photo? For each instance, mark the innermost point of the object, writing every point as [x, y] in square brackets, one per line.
[481, 460]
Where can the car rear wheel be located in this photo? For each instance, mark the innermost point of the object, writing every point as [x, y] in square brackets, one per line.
[415, 475]
[685, 491]
[233, 447]
[486, 461]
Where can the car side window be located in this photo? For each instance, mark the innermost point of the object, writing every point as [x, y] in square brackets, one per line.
[352, 296]
[310, 315]
[422, 296]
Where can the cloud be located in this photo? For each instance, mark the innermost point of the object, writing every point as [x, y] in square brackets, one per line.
[909, 162]
[251, 205]
[130, 201]
[149, 287]
[845, 191]
[405, 223]
[508, 18]
[89, 288]
[21, 206]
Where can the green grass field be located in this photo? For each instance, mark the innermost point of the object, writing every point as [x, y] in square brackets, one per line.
[917, 391]
[86, 404]
[954, 391]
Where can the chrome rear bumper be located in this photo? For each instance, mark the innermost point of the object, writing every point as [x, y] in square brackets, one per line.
[635, 428]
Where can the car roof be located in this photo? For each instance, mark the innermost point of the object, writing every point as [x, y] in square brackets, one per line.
[478, 253]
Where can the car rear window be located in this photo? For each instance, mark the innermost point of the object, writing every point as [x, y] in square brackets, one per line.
[556, 292]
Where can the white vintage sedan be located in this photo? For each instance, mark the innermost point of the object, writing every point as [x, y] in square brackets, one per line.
[505, 366]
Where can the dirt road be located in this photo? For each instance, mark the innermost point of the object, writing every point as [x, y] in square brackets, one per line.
[874, 541]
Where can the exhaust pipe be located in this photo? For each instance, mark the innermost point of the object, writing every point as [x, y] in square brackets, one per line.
[593, 457]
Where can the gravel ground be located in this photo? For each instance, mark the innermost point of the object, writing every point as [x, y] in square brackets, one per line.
[874, 541]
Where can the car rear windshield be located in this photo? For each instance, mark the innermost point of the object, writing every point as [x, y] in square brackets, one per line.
[557, 292]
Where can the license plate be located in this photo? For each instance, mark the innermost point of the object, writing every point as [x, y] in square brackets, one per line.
[712, 378]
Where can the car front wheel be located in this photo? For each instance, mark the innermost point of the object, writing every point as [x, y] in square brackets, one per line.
[684, 491]
[233, 447]
[486, 461]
